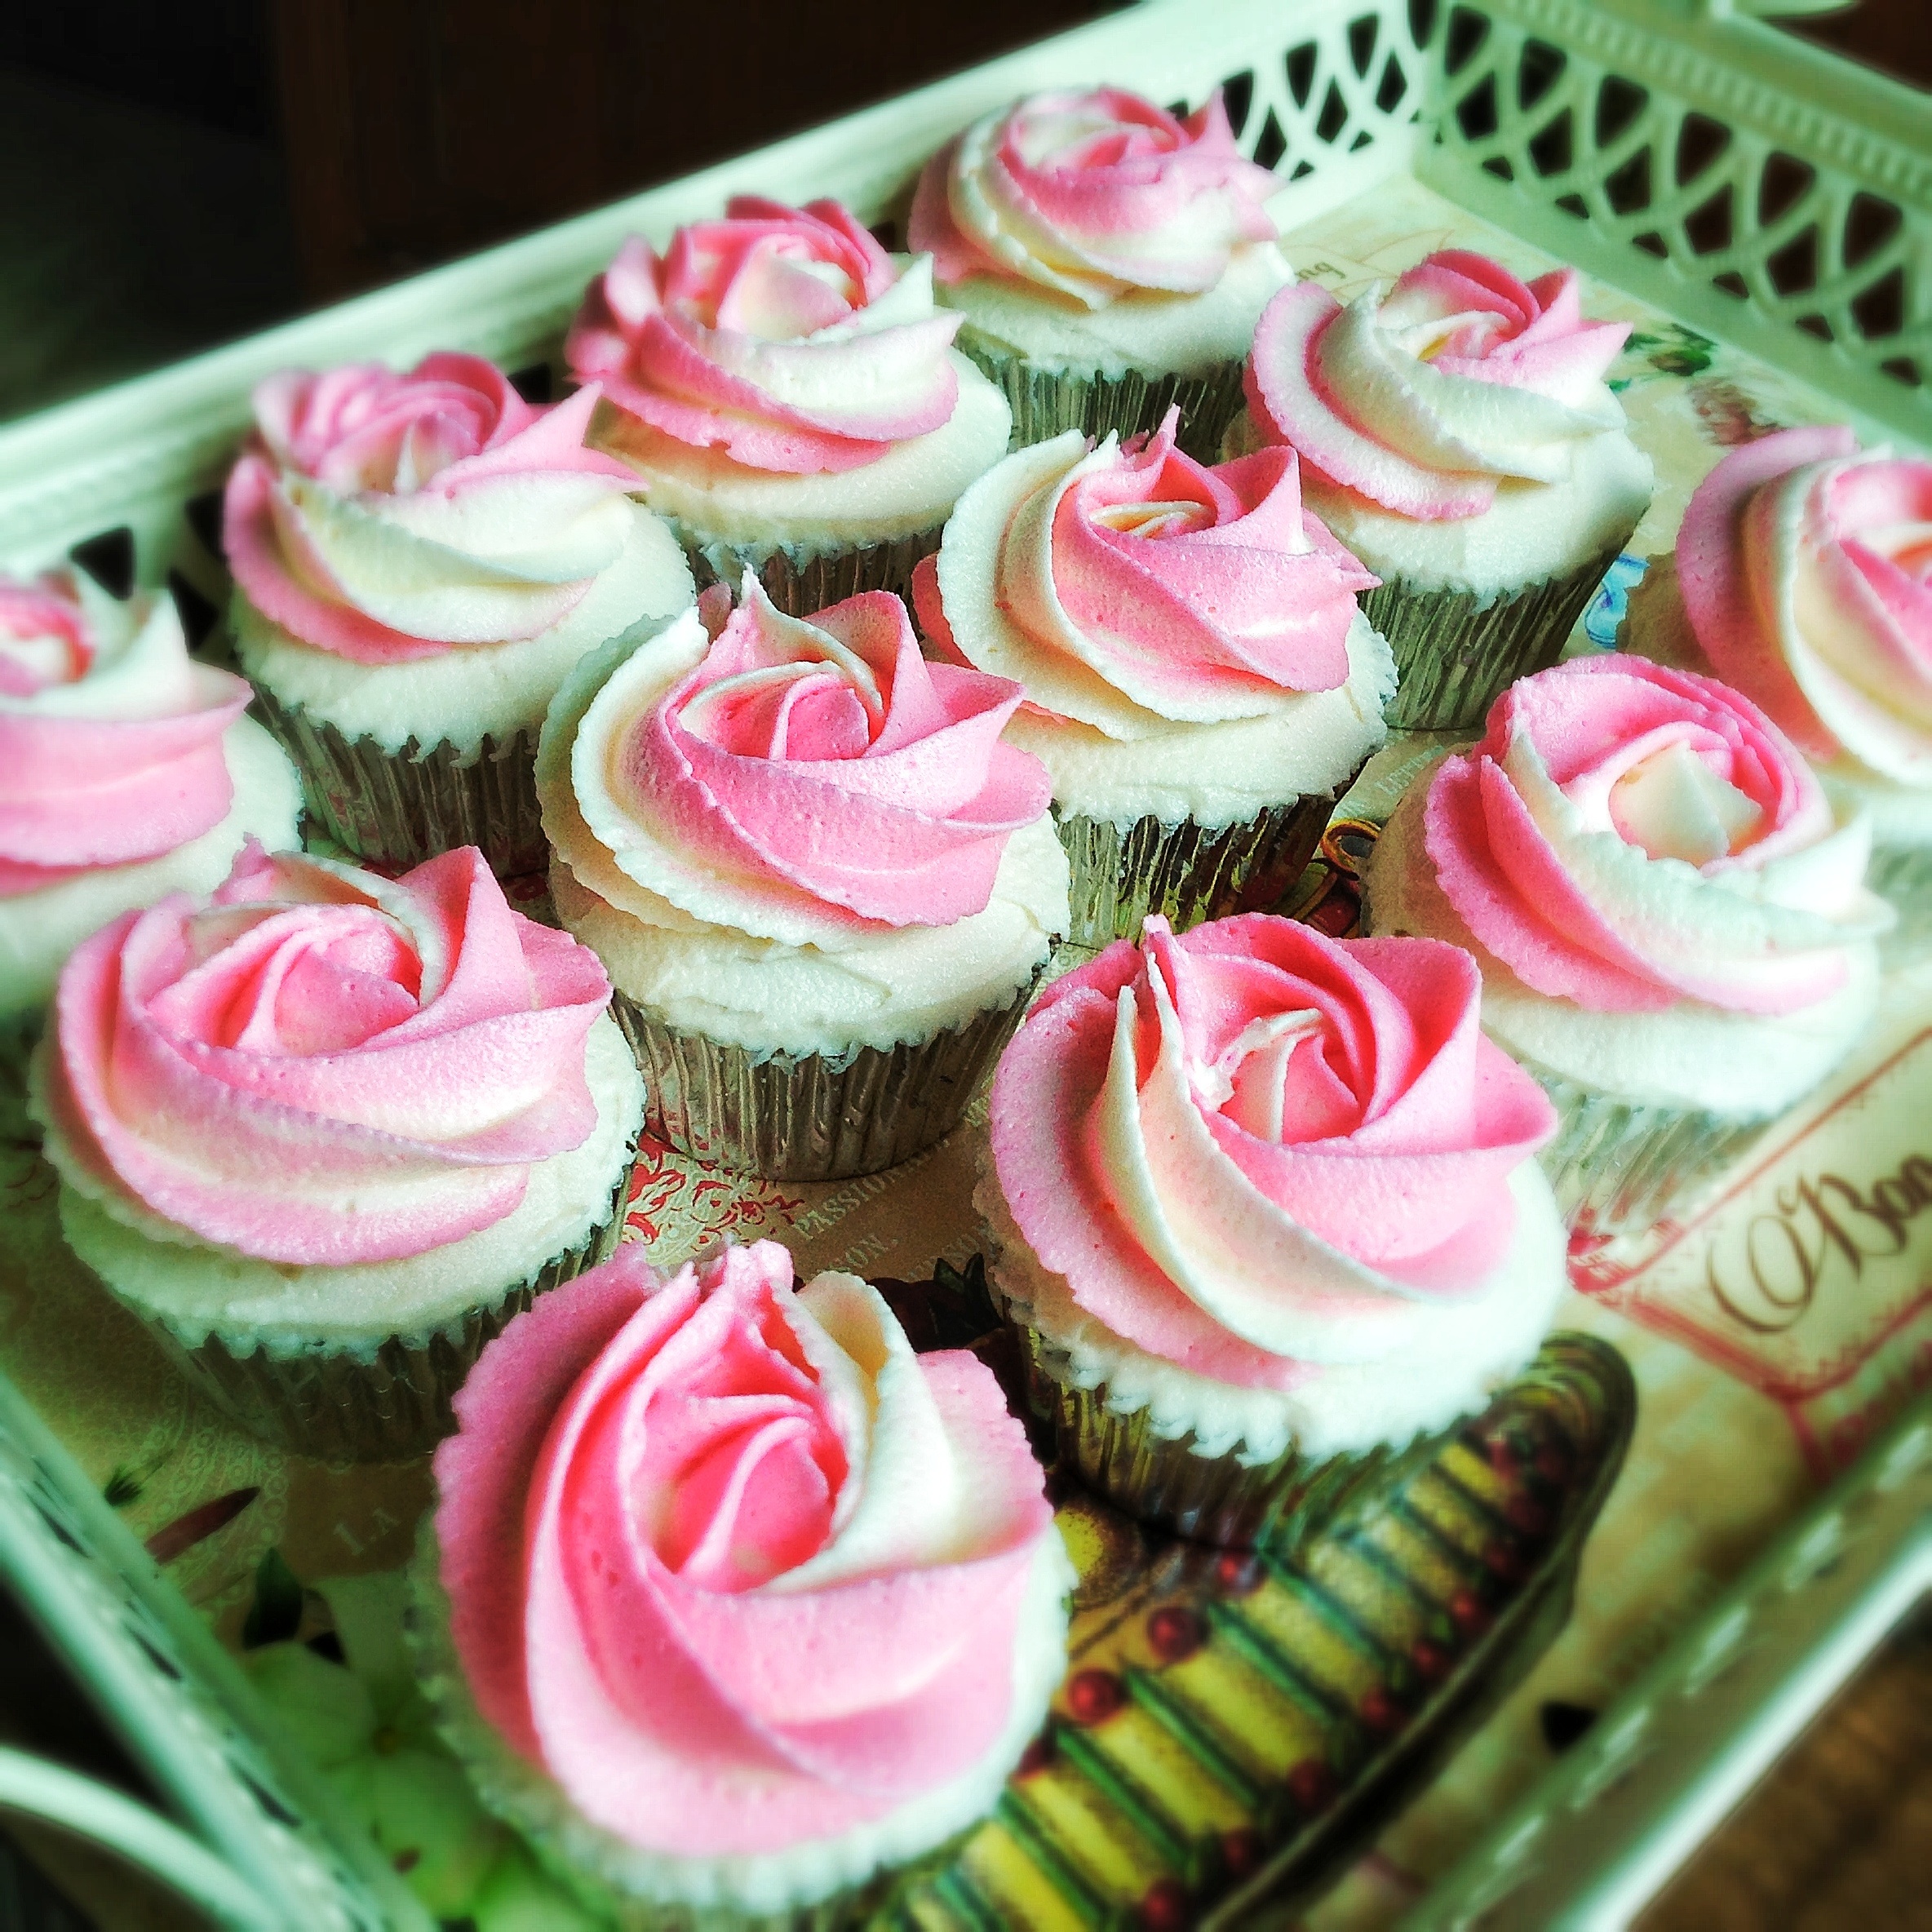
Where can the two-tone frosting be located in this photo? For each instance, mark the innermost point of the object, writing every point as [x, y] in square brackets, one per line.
[745, 1599]
[432, 542]
[798, 823]
[1664, 898]
[1457, 423]
[1188, 636]
[127, 771]
[1274, 1182]
[778, 364]
[1093, 226]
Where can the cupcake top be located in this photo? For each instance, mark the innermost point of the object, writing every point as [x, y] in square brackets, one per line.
[798, 824]
[1805, 568]
[432, 543]
[1645, 862]
[127, 770]
[779, 362]
[1252, 1156]
[317, 1067]
[1093, 219]
[1462, 396]
[1188, 637]
[745, 1599]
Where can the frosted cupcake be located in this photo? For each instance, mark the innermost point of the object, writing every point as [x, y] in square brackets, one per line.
[1803, 576]
[1457, 436]
[1267, 1217]
[1110, 260]
[325, 1133]
[789, 396]
[1668, 913]
[821, 884]
[721, 1670]
[127, 772]
[1200, 681]
[417, 562]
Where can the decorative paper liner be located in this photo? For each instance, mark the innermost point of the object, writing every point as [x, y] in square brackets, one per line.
[1047, 402]
[18, 1035]
[400, 808]
[819, 1116]
[800, 579]
[1455, 650]
[333, 1405]
[1616, 1166]
[1170, 1480]
[1189, 872]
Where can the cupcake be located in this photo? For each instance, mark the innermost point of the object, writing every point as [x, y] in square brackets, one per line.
[1668, 910]
[127, 772]
[1110, 260]
[1267, 1217]
[1458, 436]
[788, 396]
[417, 562]
[822, 885]
[1801, 578]
[731, 1604]
[1200, 681]
[325, 1132]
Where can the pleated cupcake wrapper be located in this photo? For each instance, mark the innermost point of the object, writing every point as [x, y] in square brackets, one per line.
[818, 1116]
[1902, 876]
[1189, 872]
[1455, 650]
[1617, 1168]
[1046, 402]
[18, 1035]
[400, 808]
[801, 580]
[330, 1404]
[1171, 1482]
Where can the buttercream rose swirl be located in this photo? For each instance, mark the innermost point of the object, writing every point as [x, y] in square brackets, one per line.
[729, 1561]
[1425, 403]
[821, 764]
[316, 1066]
[786, 336]
[1806, 566]
[1249, 1148]
[1095, 194]
[1627, 836]
[386, 517]
[110, 735]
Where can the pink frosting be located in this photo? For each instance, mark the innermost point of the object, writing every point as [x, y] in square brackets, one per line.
[1807, 571]
[1246, 1147]
[1601, 840]
[827, 753]
[318, 1066]
[105, 758]
[1092, 192]
[1423, 402]
[401, 461]
[786, 336]
[726, 1560]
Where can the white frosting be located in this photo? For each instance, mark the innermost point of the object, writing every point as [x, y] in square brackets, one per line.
[1702, 1058]
[38, 930]
[911, 488]
[1148, 329]
[469, 691]
[193, 1288]
[1451, 1358]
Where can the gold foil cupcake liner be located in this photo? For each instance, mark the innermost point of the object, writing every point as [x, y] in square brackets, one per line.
[1189, 872]
[339, 1407]
[397, 808]
[800, 579]
[1047, 402]
[817, 1116]
[1455, 650]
